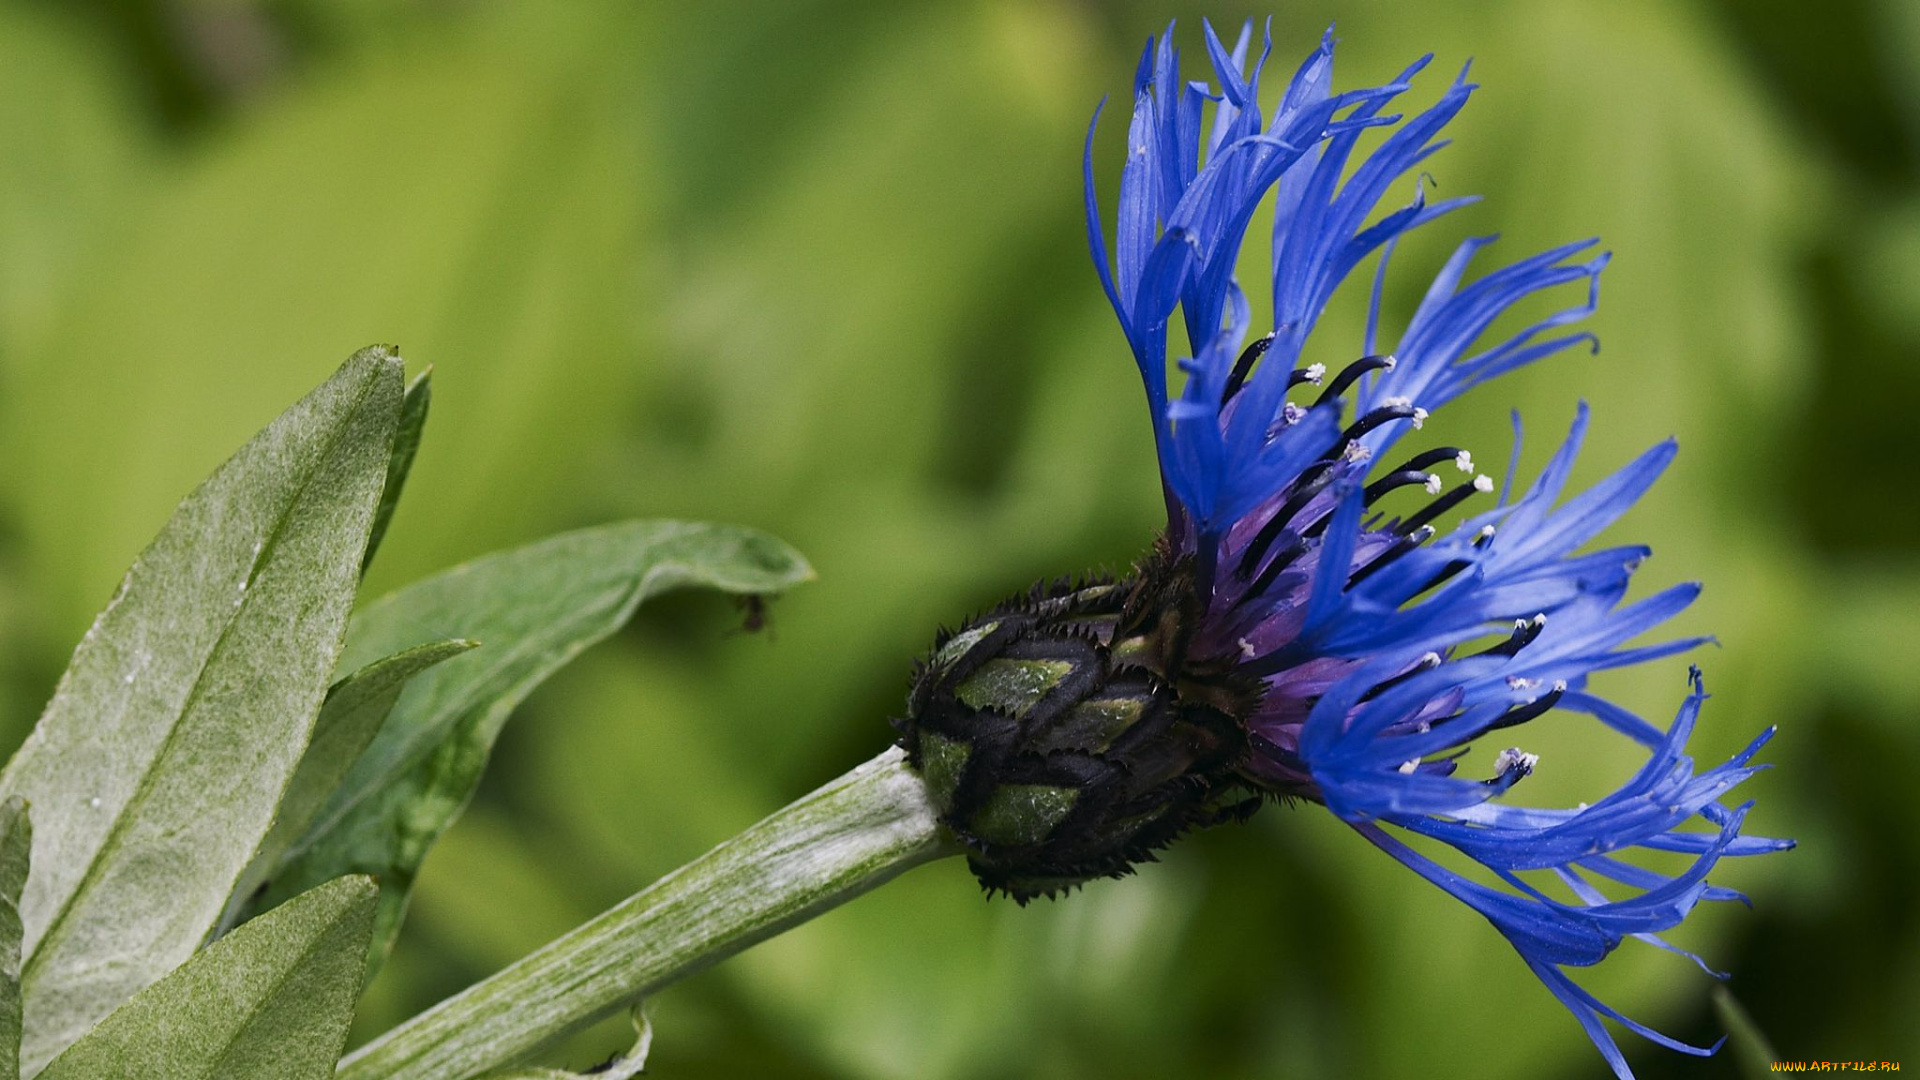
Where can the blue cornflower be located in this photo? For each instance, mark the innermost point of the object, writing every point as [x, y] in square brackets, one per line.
[1346, 641]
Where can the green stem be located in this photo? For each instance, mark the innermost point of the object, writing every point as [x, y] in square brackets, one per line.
[828, 847]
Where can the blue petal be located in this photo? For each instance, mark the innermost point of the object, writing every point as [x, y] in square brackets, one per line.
[1378, 745]
[1645, 812]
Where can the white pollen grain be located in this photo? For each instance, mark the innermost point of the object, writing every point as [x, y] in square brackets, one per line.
[1515, 758]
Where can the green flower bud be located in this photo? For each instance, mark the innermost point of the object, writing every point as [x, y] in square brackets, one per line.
[1064, 737]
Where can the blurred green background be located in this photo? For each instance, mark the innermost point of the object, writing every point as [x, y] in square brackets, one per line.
[819, 267]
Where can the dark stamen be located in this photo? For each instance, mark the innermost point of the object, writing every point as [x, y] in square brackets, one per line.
[1424, 664]
[1448, 571]
[1400, 479]
[1520, 714]
[1313, 479]
[1524, 632]
[1244, 367]
[1318, 527]
[1349, 374]
[1512, 774]
[1446, 574]
[1311, 482]
[1281, 560]
[1433, 457]
[1398, 548]
[1375, 418]
[1443, 504]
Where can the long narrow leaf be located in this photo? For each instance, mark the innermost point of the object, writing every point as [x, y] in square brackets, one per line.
[355, 709]
[406, 444]
[155, 770]
[533, 608]
[271, 1001]
[16, 842]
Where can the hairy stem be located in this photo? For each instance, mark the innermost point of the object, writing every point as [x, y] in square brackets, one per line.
[828, 847]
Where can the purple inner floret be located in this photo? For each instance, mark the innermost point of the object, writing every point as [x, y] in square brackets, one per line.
[1370, 634]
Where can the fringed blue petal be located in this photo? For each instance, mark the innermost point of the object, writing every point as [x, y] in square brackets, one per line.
[1526, 568]
[1434, 367]
[1647, 812]
[1184, 206]
[1373, 630]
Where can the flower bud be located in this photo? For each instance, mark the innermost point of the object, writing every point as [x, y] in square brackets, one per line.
[1060, 739]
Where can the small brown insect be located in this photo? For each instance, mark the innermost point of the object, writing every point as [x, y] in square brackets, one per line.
[753, 613]
[606, 1066]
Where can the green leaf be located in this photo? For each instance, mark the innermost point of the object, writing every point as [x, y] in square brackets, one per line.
[156, 768]
[16, 840]
[534, 608]
[271, 1001]
[356, 706]
[406, 443]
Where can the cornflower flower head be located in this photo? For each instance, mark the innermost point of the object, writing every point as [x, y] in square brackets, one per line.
[1286, 639]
